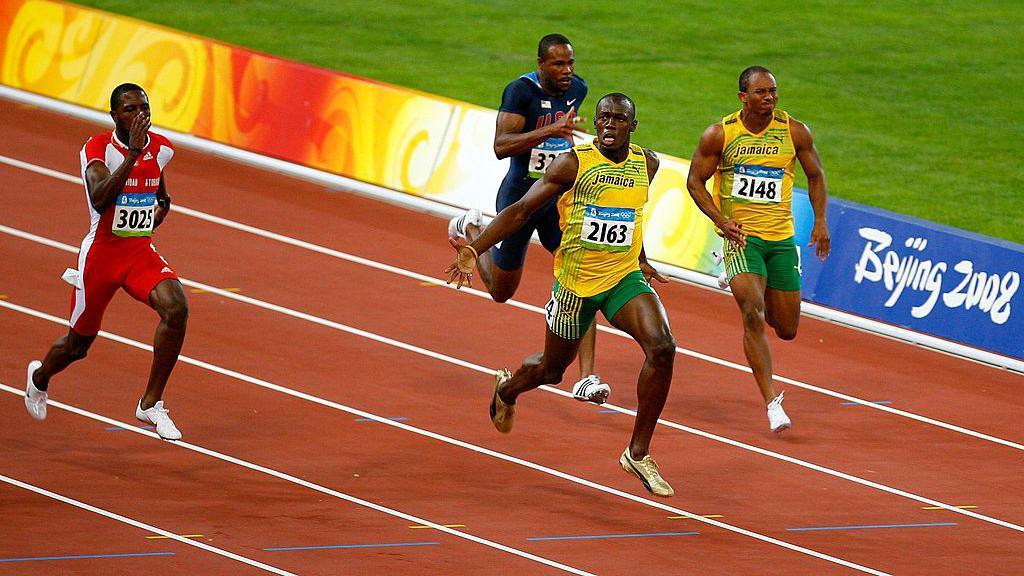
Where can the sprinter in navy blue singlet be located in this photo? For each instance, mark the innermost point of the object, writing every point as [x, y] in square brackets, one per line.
[535, 124]
[540, 109]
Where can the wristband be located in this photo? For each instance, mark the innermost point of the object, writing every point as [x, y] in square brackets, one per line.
[473, 250]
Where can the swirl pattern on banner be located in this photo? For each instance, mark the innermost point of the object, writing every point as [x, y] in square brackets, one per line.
[48, 48]
[390, 136]
[172, 69]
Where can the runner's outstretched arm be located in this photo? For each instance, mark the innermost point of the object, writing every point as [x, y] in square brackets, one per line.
[558, 178]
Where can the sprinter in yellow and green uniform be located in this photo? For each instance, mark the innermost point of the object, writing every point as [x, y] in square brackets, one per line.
[751, 154]
[601, 190]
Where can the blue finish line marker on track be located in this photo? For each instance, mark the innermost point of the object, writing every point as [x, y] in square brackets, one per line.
[337, 546]
[867, 526]
[599, 536]
[87, 556]
[118, 428]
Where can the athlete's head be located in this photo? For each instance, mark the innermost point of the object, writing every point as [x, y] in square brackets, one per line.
[758, 91]
[556, 63]
[614, 120]
[126, 102]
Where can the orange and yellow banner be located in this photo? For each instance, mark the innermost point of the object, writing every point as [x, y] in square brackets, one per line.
[402, 139]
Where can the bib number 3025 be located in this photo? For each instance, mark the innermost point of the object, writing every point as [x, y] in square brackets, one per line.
[133, 215]
[758, 184]
[608, 228]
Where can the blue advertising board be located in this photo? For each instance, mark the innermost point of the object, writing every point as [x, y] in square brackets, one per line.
[934, 279]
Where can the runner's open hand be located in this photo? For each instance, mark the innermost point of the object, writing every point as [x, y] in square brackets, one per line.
[821, 239]
[733, 231]
[565, 125]
[461, 271]
[137, 132]
[649, 272]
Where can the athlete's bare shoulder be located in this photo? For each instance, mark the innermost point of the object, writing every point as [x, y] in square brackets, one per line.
[712, 140]
[800, 132]
[714, 132]
[653, 162]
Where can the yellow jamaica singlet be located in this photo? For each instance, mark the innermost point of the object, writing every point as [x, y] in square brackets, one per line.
[601, 218]
[754, 181]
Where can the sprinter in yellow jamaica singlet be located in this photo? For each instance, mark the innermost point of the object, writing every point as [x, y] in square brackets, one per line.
[751, 154]
[601, 190]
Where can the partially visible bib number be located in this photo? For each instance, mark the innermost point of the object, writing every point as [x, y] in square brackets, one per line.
[608, 228]
[543, 155]
[133, 215]
[758, 184]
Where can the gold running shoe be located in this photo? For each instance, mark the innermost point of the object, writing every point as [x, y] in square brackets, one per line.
[646, 469]
[502, 415]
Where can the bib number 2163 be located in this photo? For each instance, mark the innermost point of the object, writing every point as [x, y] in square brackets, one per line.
[608, 228]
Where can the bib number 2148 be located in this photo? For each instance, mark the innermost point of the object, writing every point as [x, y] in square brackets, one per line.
[758, 184]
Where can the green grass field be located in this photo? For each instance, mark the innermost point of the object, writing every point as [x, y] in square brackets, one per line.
[914, 105]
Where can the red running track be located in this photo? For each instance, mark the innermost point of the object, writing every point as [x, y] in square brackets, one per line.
[555, 476]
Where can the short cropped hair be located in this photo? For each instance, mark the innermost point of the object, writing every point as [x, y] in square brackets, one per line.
[620, 97]
[548, 41]
[115, 96]
[750, 71]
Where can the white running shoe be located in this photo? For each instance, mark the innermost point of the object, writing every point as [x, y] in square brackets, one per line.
[157, 416]
[591, 389]
[35, 399]
[457, 225]
[777, 419]
[723, 278]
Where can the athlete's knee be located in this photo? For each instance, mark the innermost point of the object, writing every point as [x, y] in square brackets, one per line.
[785, 332]
[753, 317]
[662, 352]
[174, 312]
[501, 289]
[500, 296]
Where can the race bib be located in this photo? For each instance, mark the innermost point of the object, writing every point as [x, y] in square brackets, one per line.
[608, 228]
[543, 155]
[758, 184]
[133, 214]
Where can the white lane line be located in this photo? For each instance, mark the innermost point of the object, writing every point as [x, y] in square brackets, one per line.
[516, 304]
[474, 448]
[40, 170]
[150, 528]
[483, 369]
[299, 481]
